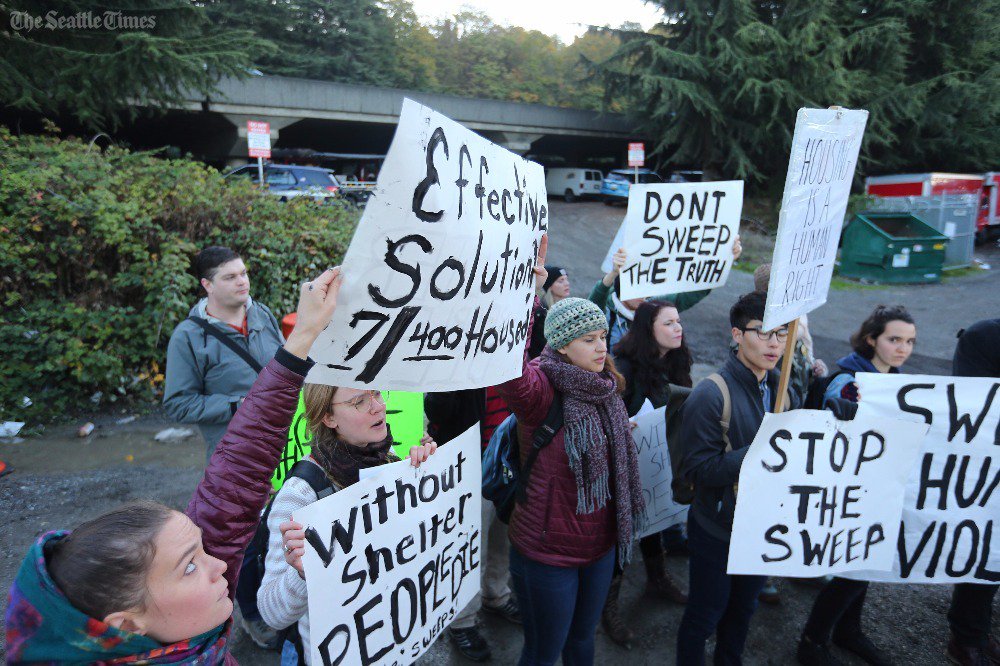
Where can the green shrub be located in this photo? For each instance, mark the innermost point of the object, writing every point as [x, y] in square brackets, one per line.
[95, 251]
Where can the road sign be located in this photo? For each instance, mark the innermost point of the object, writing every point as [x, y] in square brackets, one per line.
[259, 138]
[636, 154]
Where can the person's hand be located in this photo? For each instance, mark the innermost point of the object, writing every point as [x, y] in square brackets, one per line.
[819, 368]
[293, 537]
[419, 454]
[317, 302]
[540, 273]
[633, 425]
[617, 262]
[737, 248]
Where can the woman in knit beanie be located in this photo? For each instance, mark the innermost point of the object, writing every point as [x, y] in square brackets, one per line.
[583, 499]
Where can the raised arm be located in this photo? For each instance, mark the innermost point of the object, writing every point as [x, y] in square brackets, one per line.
[236, 483]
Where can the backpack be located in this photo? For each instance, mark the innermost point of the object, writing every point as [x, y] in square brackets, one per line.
[504, 482]
[683, 487]
[252, 571]
[817, 389]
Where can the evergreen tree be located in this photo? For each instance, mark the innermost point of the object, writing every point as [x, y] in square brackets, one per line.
[79, 57]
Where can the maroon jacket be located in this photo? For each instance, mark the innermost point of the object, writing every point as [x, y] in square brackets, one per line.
[237, 483]
[546, 527]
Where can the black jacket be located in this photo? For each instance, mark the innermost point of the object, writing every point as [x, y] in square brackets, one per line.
[978, 351]
[450, 413]
[713, 471]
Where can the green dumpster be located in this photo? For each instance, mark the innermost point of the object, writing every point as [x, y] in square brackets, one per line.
[892, 247]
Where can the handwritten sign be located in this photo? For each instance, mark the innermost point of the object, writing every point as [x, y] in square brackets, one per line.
[438, 279]
[679, 237]
[952, 501]
[819, 496]
[392, 559]
[650, 436]
[820, 170]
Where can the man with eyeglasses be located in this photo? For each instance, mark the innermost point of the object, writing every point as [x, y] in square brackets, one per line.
[717, 602]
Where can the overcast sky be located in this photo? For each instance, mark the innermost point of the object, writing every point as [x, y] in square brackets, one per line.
[565, 18]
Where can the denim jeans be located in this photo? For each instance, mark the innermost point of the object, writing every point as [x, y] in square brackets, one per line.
[717, 602]
[289, 656]
[561, 607]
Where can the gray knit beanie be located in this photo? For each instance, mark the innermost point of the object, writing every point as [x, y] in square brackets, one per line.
[570, 318]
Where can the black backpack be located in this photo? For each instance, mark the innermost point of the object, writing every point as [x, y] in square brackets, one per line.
[252, 570]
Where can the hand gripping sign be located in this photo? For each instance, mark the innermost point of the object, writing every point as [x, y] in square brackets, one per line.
[438, 280]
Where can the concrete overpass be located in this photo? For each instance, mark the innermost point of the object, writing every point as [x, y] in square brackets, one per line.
[343, 117]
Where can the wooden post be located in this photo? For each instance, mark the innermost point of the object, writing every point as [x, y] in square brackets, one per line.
[786, 366]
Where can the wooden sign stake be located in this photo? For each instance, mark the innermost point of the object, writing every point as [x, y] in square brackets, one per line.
[786, 366]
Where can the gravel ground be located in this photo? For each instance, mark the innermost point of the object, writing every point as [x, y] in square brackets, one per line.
[60, 480]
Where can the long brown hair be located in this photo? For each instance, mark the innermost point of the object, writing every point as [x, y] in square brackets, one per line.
[875, 325]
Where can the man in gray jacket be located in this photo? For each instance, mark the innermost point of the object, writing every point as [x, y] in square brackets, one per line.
[214, 356]
[718, 603]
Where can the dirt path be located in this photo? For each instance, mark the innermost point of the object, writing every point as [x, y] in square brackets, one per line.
[61, 480]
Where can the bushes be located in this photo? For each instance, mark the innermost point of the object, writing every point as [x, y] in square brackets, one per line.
[95, 250]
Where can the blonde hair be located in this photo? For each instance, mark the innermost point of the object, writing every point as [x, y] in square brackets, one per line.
[318, 399]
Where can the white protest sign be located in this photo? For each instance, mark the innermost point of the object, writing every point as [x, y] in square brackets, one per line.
[617, 242]
[952, 500]
[820, 170]
[819, 496]
[392, 559]
[679, 237]
[650, 436]
[438, 280]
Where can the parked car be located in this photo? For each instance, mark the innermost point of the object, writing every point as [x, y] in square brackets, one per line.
[685, 176]
[287, 181]
[615, 185]
[573, 183]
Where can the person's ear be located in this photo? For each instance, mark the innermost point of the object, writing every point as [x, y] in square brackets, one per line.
[206, 285]
[870, 340]
[737, 335]
[330, 421]
[128, 620]
[562, 350]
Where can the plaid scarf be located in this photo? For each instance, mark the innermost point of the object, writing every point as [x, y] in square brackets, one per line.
[44, 628]
[596, 423]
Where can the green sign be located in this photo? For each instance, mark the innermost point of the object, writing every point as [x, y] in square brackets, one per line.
[404, 415]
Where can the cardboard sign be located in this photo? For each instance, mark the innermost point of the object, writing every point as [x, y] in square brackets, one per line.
[259, 139]
[438, 280]
[404, 413]
[650, 436]
[820, 170]
[819, 496]
[951, 511]
[679, 237]
[391, 560]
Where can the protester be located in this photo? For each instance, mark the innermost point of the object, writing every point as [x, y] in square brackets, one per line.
[654, 360]
[349, 433]
[146, 584]
[717, 602]
[882, 344]
[607, 295]
[583, 498]
[206, 379]
[556, 286]
[449, 414]
[970, 615]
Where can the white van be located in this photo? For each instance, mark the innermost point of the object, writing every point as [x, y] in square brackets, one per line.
[573, 183]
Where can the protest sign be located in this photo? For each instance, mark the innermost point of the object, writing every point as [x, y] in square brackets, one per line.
[438, 280]
[404, 414]
[679, 237]
[616, 242]
[820, 496]
[391, 560]
[952, 499]
[650, 436]
[820, 170]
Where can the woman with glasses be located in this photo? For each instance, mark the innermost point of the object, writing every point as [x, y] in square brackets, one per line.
[349, 434]
[882, 344]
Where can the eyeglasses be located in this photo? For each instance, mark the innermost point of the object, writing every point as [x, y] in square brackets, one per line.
[780, 333]
[364, 401]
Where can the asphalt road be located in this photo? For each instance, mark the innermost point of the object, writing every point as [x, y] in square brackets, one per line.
[61, 480]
